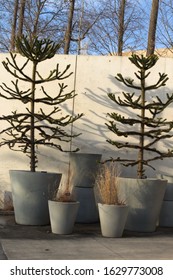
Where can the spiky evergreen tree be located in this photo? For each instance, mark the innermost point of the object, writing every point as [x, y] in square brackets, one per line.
[152, 127]
[29, 129]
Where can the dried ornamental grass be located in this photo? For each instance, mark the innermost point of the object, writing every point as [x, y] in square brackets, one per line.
[107, 183]
[65, 193]
[6, 202]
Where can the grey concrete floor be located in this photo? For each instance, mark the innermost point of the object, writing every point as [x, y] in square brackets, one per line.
[19, 242]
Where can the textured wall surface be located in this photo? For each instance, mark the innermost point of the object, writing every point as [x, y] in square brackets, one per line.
[92, 79]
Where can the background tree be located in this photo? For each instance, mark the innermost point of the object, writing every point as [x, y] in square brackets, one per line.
[118, 27]
[98, 27]
[81, 19]
[14, 26]
[68, 32]
[19, 8]
[40, 18]
[165, 26]
[121, 26]
[21, 17]
[152, 27]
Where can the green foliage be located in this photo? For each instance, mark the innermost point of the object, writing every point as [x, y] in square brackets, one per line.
[33, 128]
[152, 127]
[37, 50]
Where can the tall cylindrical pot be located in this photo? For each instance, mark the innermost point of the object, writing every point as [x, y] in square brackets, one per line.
[84, 167]
[88, 210]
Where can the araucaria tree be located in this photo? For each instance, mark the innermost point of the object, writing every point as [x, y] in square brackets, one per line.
[34, 127]
[152, 127]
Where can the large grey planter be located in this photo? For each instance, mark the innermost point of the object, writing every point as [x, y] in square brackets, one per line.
[84, 167]
[112, 219]
[62, 216]
[166, 214]
[31, 191]
[144, 197]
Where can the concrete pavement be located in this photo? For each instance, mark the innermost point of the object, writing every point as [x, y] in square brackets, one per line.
[19, 242]
[2, 254]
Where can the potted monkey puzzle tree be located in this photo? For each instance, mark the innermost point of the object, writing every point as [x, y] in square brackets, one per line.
[148, 128]
[32, 128]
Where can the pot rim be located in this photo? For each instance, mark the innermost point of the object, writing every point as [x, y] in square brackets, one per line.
[63, 202]
[145, 179]
[34, 172]
[113, 205]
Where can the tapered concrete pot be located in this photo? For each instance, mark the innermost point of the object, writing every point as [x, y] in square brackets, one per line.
[31, 191]
[88, 209]
[112, 219]
[144, 198]
[84, 167]
[62, 216]
[166, 214]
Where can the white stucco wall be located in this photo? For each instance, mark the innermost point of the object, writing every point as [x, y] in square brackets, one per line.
[93, 78]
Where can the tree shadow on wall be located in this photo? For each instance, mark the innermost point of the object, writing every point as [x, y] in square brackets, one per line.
[101, 105]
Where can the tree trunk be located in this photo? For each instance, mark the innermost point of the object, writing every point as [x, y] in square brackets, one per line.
[21, 17]
[121, 27]
[32, 123]
[152, 27]
[40, 6]
[68, 32]
[140, 170]
[80, 28]
[13, 26]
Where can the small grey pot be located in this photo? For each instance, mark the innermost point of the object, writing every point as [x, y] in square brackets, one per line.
[112, 219]
[62, 216]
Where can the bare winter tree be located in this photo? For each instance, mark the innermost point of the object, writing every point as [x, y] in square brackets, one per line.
[96, 27]
[18, 17]
[81, 20]
[165, 26]
[21, 17]
[80, 27]
[152, 27]
[43, 18]
[14, 26]
[34, 15]
[121, 26]
[68, 33]
[118, 28]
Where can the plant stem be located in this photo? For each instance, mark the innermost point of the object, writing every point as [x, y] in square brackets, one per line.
[140, 170]
[32, 163]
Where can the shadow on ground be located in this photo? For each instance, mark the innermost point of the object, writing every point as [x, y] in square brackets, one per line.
[10, 230]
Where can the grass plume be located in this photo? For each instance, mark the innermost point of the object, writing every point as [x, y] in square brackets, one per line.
[65, 192]
[107, 183]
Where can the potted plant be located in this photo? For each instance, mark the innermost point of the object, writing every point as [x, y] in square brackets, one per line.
[63, 208]
[35, 127]
[112, 211]
[145, 123]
